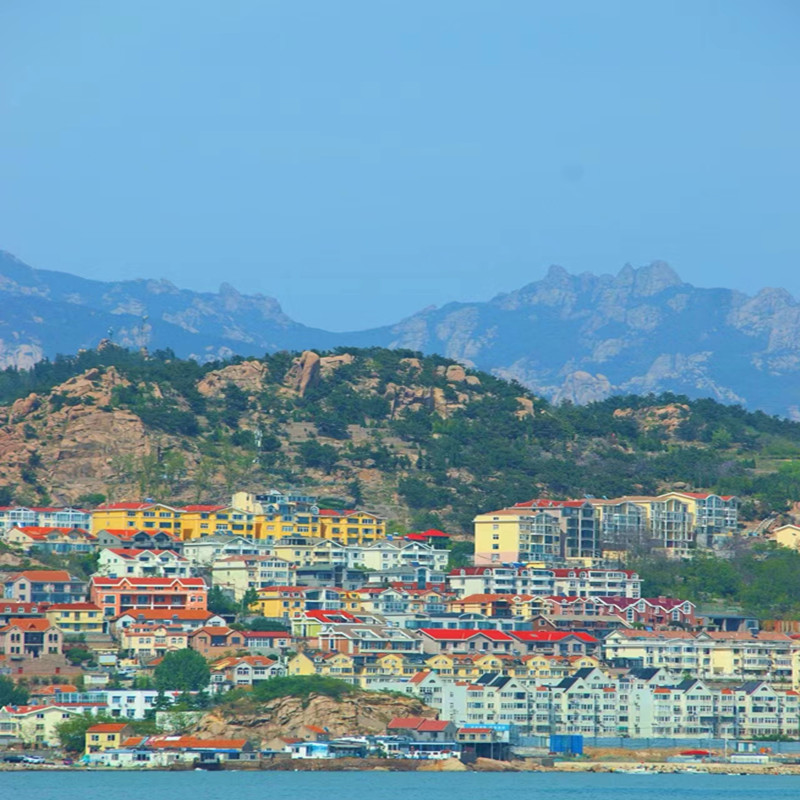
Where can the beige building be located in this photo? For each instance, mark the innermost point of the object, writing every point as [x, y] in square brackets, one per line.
[787, 536]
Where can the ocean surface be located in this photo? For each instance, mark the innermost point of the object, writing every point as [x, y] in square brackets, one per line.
[391, 785]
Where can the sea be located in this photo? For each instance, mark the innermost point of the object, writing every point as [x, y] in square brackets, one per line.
[196, 785]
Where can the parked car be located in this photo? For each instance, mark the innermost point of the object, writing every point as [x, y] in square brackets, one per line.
[28, 759]
[13, 758]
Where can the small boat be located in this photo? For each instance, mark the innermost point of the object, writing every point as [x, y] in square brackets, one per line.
[637, 771]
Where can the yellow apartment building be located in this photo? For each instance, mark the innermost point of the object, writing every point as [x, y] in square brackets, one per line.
[207, 520]
[351, 527]
[137, 516]
[84, 618]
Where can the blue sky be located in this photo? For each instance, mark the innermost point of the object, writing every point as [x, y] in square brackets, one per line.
[362, 160]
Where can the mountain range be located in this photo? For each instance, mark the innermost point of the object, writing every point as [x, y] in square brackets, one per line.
[567, 337]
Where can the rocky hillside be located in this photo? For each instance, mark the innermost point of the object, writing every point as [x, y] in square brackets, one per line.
[577, 337]
[350, 715]
[418, 439]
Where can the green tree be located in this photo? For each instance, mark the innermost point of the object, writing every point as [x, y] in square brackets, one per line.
[318, 456]
[91, 499]
[250, 597]
[219, 602]
[72, 732]
[263, 624]
[12, 694]
[182, 670]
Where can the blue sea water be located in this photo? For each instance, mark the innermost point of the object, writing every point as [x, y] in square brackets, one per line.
[390, 785]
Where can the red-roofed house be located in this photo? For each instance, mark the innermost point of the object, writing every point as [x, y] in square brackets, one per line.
[14, 608]
[422, 729]
[435, 538]
[115, 595]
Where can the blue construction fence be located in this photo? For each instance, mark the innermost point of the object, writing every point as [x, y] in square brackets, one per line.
[719, 745]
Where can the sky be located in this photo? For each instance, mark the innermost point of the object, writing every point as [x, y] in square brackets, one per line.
[362, 160]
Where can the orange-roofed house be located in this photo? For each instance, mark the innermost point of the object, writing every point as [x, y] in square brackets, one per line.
[51, 540]
[145, 642]
[45, 586]
[52, 691]
[214, 642]
[116, 595]
[106, 735]
[30, 638]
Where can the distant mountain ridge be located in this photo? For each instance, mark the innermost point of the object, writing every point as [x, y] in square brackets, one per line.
[575, 337]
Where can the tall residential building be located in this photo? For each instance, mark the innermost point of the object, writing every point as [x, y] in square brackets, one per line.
[537, 530]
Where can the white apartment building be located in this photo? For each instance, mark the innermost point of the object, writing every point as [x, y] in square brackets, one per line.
[120, 563]
[570, 582]
[237, 574]
[44, 517]
[396, 554]
[203, 552]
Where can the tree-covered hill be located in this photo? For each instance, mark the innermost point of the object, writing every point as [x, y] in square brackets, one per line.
[417, 438]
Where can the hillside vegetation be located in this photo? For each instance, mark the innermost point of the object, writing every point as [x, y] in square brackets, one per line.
[416, 438]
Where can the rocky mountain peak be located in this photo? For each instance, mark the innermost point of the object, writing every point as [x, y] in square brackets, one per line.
[649, 280]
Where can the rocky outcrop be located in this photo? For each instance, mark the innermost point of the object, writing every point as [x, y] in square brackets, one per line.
[248, 376]
[304, 372]
[328, 364]
[361, 713]
[581, 387]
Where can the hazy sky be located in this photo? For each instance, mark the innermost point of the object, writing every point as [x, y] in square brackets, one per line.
[362, 160]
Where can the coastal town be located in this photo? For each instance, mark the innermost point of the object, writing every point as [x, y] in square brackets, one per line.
[540, 641]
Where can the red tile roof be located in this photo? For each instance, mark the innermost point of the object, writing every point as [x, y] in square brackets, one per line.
[550, 636]
[100, 580]
[433, 726]
[168, 614]
[46, 575]
[108, 727]
[29, 624]
[448, 635]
